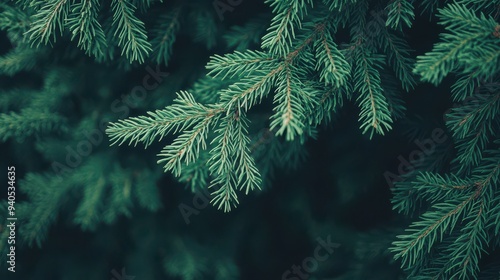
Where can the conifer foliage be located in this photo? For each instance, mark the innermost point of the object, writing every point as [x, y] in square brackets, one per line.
[460, 225]
[279, 78]
[304, 73]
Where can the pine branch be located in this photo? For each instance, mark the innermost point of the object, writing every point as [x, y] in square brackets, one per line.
[400, 12]
[196, 175]
[49, 194]
[243, 37]
[120, 201]
[29, 122]
[464, 87]
[338, 4]
[50, 17]
[15, 21]
[146, 190]
[374, 115]
[246, 172]
[467, 33]
[334, 69]
[82, 23]
[184, 113]
[398, 54]
[231, 164]
[207, 89]
[130, 31]
[90, 208]
[471, 117]
[206, 29]
[466, 251]
[466, 206]
[238, 64]
[423, 234]
[294, 104]
[164, 35]
[17, 60]
[222, 167]
[288, 16]
[426, 187]
[247, 92]
[187, 146]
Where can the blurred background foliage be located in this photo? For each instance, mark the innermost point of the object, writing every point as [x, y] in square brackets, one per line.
[115, 209]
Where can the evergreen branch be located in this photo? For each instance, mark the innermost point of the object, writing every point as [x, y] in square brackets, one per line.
[243, 37]
[88, 213]
[292, 105]
[400, 11]
[83, 23]
[288, 16]
[484, 62]
[29, 122]
[130, 30]
[461, 257]
[49, 194]
[246, 172]
[49, 17]
[470, 150]
[430, 228]
[438, 63]
[398, 54]
[249, 90]
[468, 32]
[120, 202]
[464, 87]
[358, 23]
[196, 175]
[146, 191]
[374, 115]
[206, 29]
[238, 64]
[183, 114]
[466, 251]
[186, 147]
[338, 4]
[207, 89]
[164, 35]
[334, 69]
[15, 21]
[487, 175]
[468, 119]
[426, 187]
[222, 166]
[231, 164]
[17, 60]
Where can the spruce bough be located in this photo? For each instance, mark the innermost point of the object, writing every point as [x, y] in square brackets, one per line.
[315, 57]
